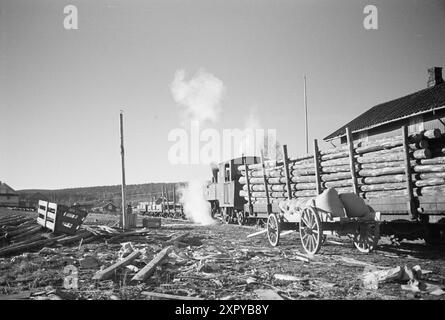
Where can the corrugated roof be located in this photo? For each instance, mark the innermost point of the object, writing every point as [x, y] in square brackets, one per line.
[418, 102]
[5, 189]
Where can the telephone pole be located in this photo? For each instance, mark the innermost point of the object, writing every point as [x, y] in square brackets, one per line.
[124, 208]
[305, 116]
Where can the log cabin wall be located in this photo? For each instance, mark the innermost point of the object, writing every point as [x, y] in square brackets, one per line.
[9, 200]
[418, 123]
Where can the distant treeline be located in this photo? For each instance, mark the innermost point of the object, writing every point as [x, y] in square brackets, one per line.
[101, 194]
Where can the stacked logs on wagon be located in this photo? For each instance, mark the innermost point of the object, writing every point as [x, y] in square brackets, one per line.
[379, 168]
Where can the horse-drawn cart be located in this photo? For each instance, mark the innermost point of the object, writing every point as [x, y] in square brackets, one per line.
[315, 224]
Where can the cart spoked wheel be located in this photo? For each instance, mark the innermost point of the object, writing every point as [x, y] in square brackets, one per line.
[226, 215]
[367, 237]
[311, 233]
[273, 230]
[214, 210]
[240, 217]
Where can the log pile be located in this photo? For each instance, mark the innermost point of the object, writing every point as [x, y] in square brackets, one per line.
[379, 168]
[19, 233]
[22, 233]
[16, 227]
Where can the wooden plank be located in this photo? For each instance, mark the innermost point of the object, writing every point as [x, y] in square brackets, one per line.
[10, 216]
[286, 171]
[29, 239]
[178, 238]
[17, 296]
[27, 246]
[129, 233]
[18, 231]
[108, 272]
[352, 160]
[14, 221]
[34, 229]
[299, 257]
[269, 209]
[165, 296]
[317, 166]
[267, 294]
[42, 210]
[256, 233]
[285, 233]
[148, 270]
[70, 239]
[408, 177]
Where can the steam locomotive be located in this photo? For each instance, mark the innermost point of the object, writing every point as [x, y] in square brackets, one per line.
[223, 194]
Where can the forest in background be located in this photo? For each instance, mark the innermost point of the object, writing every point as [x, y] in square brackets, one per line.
[100, 194]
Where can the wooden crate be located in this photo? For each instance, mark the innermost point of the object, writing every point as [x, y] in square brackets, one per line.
[151, 222]
[59, 218]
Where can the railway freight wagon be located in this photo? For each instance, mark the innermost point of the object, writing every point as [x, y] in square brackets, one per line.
[161, 208]
[402, 177]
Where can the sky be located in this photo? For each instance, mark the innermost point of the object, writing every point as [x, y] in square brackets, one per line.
[61, 90]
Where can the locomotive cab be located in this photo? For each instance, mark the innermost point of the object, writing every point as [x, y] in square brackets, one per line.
[223, 191]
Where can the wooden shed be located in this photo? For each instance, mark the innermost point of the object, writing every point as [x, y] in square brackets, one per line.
[8, 196]
[109, 207]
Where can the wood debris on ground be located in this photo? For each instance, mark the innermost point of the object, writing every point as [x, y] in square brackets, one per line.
[191, 262]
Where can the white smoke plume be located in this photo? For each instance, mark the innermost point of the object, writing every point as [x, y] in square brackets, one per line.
[200, 96]
[252, 121]
[256, 138]
[196, 208]
[252, 141]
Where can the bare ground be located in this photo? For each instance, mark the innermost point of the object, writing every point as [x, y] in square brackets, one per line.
[218, 262]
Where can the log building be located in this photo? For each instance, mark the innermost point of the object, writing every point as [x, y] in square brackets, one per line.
[109, 207]
[421, 110]
[8, 196]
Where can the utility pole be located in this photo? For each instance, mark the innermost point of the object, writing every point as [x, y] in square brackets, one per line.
[305, 116]
[174, 199]
[124, 208]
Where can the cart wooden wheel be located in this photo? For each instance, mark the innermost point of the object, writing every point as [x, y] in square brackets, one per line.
[214, 209]
[367, 237]
[273, 230]
[240, 217]
[226, 215]
[311, 232]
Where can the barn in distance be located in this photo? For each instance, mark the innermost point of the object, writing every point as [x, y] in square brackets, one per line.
[8, 196]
